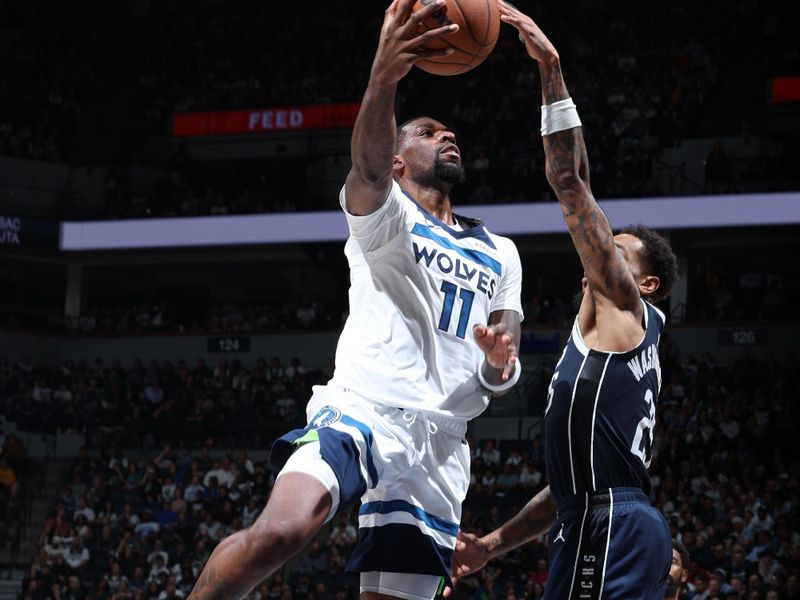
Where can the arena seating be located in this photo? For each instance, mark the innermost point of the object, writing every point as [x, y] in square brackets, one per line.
[137, 523]
[663, 75]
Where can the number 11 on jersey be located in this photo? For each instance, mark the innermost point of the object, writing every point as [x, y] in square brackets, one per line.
[466, 296]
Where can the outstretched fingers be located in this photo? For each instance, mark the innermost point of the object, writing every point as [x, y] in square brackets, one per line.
[508, 13]
[410, 22]
[432, 34]
[409, 29]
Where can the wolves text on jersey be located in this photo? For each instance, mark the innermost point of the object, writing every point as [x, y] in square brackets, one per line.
[461, 269]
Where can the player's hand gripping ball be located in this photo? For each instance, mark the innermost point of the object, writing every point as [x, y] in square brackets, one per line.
[478, 28]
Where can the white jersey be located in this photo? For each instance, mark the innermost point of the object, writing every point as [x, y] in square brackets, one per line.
[417, 288]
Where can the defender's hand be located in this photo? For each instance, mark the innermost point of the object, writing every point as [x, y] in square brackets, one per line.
[401, 44]
[471, 554]
[536, 42]
[498, 346]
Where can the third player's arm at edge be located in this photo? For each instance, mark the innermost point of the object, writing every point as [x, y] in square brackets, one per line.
[534, 520]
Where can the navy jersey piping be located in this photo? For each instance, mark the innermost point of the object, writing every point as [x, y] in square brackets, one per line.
[584, 348]
[476, 230]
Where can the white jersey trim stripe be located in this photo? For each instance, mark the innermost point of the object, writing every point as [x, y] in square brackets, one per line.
[578, 550]
[594, 416]
[608, 539]
[569, 425]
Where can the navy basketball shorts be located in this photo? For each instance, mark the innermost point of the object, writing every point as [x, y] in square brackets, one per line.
[410, 471]
[610, 545]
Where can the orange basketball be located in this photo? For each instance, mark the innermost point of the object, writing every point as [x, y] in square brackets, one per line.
[478, 27]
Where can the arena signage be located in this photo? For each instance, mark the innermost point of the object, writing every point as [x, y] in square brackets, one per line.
[10, 228]
[228, 344]
[785, 89]
[264, 120]
[744, 336]
[27, 233]
[687, 212]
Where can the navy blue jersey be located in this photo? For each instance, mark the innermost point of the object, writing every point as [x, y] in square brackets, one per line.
[601, 410]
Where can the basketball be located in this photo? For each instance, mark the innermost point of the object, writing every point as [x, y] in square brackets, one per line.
[478, 27]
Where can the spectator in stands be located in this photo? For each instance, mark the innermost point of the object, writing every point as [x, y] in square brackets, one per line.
[77, 555]
[250, 512]
[191, 492]
[222, 473]
[490, 454]
[344, 534]
[210, 527]
[147, 526]
[8, 478]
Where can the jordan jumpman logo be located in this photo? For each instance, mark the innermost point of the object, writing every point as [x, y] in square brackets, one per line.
[560, 535]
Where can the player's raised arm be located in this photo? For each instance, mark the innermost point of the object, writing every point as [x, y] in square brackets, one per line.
[567, 168]
[372, 146]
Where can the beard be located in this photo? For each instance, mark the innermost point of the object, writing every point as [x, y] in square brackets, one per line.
[443, 174]
[673, 585]
[448, 172]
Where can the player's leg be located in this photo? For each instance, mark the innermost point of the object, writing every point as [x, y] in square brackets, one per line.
[304, 497]
[639, 550]
[564, 541]
[383, 586]
[408, 523]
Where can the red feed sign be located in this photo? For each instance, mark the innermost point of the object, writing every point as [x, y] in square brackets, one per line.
[785, 89]
[290, 118]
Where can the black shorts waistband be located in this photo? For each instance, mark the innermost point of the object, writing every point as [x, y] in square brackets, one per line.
[588, 500]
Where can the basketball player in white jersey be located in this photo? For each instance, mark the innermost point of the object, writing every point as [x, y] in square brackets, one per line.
[433, 332]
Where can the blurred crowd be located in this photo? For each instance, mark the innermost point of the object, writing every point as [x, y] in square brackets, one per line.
[661, 76]
[200, 192]
[164, 317]
[139, 404]
[139, 525]
[720, 291]
[13, 467]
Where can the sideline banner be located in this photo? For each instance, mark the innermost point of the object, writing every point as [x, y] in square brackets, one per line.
[264, 120]
[22, 232]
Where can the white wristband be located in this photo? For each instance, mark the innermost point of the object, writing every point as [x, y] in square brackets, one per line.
[506, 385]
[559, 116]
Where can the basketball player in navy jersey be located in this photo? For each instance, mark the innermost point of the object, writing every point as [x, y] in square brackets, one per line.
[605, 539]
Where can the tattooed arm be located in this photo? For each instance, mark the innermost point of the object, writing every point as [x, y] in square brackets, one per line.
[472, 552]
[567, 168]
[535, 519]
[372, 145]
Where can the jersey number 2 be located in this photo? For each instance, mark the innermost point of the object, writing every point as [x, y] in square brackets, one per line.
[466, 297]
[643, 438]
